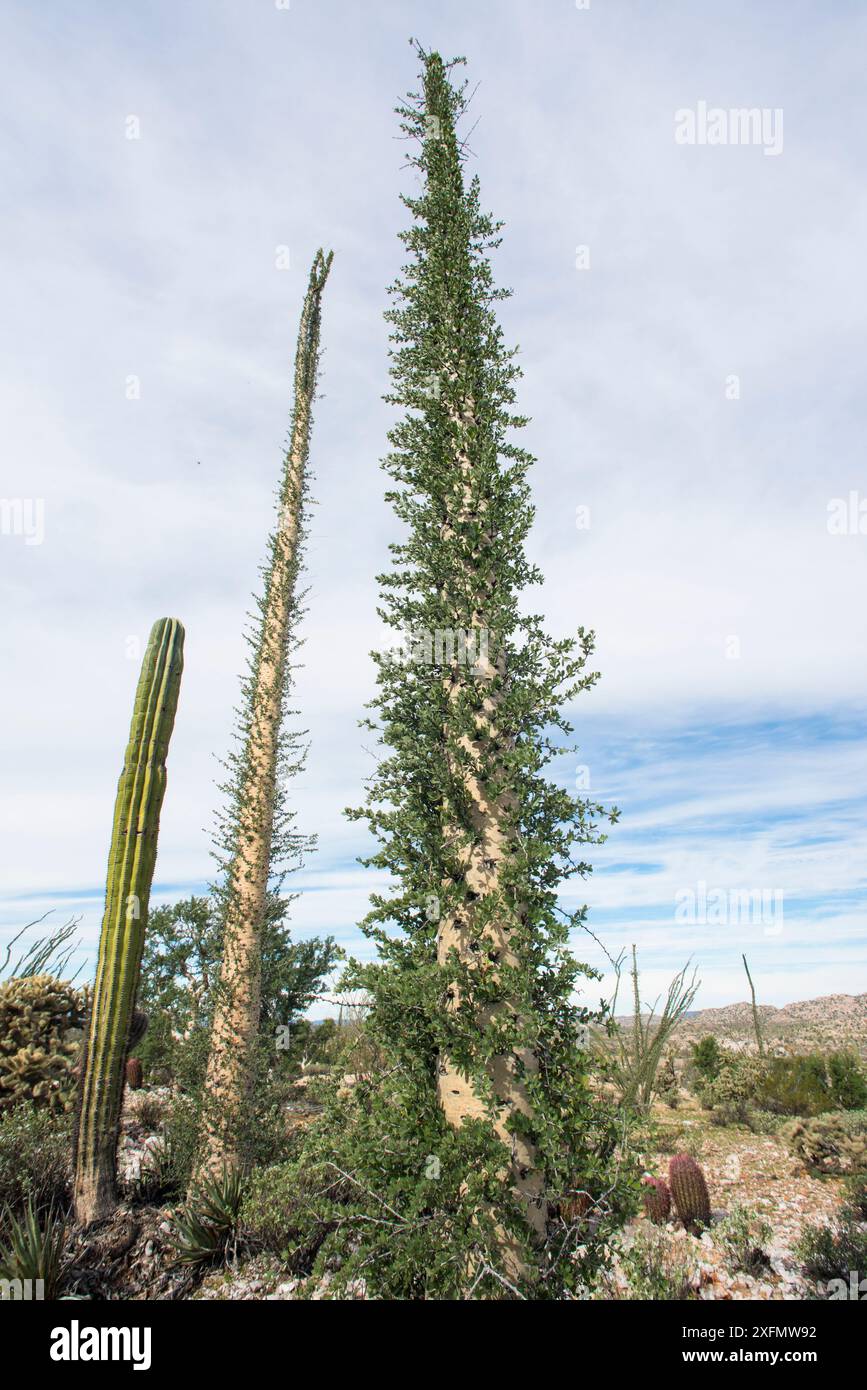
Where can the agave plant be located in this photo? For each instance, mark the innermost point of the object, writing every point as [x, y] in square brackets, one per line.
[206, 1227]
[35, 1250]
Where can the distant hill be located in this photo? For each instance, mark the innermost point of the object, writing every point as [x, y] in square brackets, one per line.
[830, 1022]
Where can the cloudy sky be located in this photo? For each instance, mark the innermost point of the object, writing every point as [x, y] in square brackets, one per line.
[691, 325]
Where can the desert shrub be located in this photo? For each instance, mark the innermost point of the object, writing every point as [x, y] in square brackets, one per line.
[743, 1235]
[795, 1086]
[655, 1269]
[707, 1058]
[148, 1110]
[668, 1083]
[833, 1144]
[679, 1141]
[40, 1031]
[763, 1122]
[270, 1210]
[181, 1129]
[847, 1082]
[169, 1169]
[732, 1093]
[834, 1250]
[856, 1197]
[35, 1158]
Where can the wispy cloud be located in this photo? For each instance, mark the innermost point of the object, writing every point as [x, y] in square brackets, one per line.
[730, 723]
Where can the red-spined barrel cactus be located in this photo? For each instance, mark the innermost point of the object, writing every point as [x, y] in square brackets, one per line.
[689, 1190]
[133, 1073]
[657, 1200]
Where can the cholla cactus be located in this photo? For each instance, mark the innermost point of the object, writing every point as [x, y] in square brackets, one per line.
[131, 861]
[657, 1200]
[689, 1190]
[40, 1027]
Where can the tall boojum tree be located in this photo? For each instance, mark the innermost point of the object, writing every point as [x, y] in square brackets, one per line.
[257, 836]
[474, 996]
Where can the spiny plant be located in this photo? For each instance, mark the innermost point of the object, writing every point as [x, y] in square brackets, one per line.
[640, 1048]
[757, 1021]
[257, 837]
[471, 999]
[40, 1025]
[34, 1251]
[657, 1200]
[206, 1226]
[689, 1190]
[131, 861]
[47, 955]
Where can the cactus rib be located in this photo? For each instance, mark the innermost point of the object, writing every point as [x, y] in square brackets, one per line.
[131, 861]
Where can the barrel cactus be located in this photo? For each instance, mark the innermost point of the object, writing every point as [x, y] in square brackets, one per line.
[134, 1075]
[657, 1200]
[40, 1036]
[689, 1190]
[131, 861]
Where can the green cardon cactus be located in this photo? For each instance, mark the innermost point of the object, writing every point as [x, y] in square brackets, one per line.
[131, 861]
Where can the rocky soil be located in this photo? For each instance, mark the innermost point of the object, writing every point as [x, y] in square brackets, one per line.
[129, 1257]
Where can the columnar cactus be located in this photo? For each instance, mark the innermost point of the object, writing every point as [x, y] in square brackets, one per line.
[657, 1200]
[131, 861]
[689, 1190]
[134, 1073]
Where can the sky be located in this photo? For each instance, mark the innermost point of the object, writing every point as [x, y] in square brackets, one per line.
[690, 318]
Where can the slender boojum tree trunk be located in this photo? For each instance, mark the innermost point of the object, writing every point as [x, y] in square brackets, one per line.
[236, 1013]
[483, 859]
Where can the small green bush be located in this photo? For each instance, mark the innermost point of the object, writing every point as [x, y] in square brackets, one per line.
[733, 1091]
[743, 1235]
[35, 1157]
[148, 1111]
[655, 1271]
[271, 1207]
[795, 1086]
[856, 1197]
[847, 1082]
[707, 1058]
[835, 1250]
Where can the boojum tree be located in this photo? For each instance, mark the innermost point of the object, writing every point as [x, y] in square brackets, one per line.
[475, 993]
[257, 837]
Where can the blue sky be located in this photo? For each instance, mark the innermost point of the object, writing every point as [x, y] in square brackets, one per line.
[730, 723]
